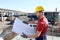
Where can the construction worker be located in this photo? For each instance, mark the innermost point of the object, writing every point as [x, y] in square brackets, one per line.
[42, 25]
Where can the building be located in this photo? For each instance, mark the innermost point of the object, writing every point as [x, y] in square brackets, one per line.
[51, 16]
[8, 13]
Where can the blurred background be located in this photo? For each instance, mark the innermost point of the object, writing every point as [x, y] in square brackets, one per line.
[24, 10]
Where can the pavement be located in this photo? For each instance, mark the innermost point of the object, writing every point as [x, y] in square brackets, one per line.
[53, 37]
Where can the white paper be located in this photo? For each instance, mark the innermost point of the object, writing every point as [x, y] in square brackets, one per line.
[19, 27]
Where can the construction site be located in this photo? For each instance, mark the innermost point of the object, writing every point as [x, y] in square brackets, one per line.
[7, 18]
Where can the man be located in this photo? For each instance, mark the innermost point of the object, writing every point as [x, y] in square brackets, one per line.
[42, 25]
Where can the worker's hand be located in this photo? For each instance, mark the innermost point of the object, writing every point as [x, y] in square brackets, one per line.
[24, 35]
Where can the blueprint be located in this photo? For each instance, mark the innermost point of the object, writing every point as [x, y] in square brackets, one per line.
[19, 27]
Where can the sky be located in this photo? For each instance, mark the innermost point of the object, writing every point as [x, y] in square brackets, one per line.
[30, 5]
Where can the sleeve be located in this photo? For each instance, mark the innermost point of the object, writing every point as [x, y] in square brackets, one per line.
[39, 26]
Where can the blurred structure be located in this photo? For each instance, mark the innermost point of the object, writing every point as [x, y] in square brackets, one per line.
[7, 17]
